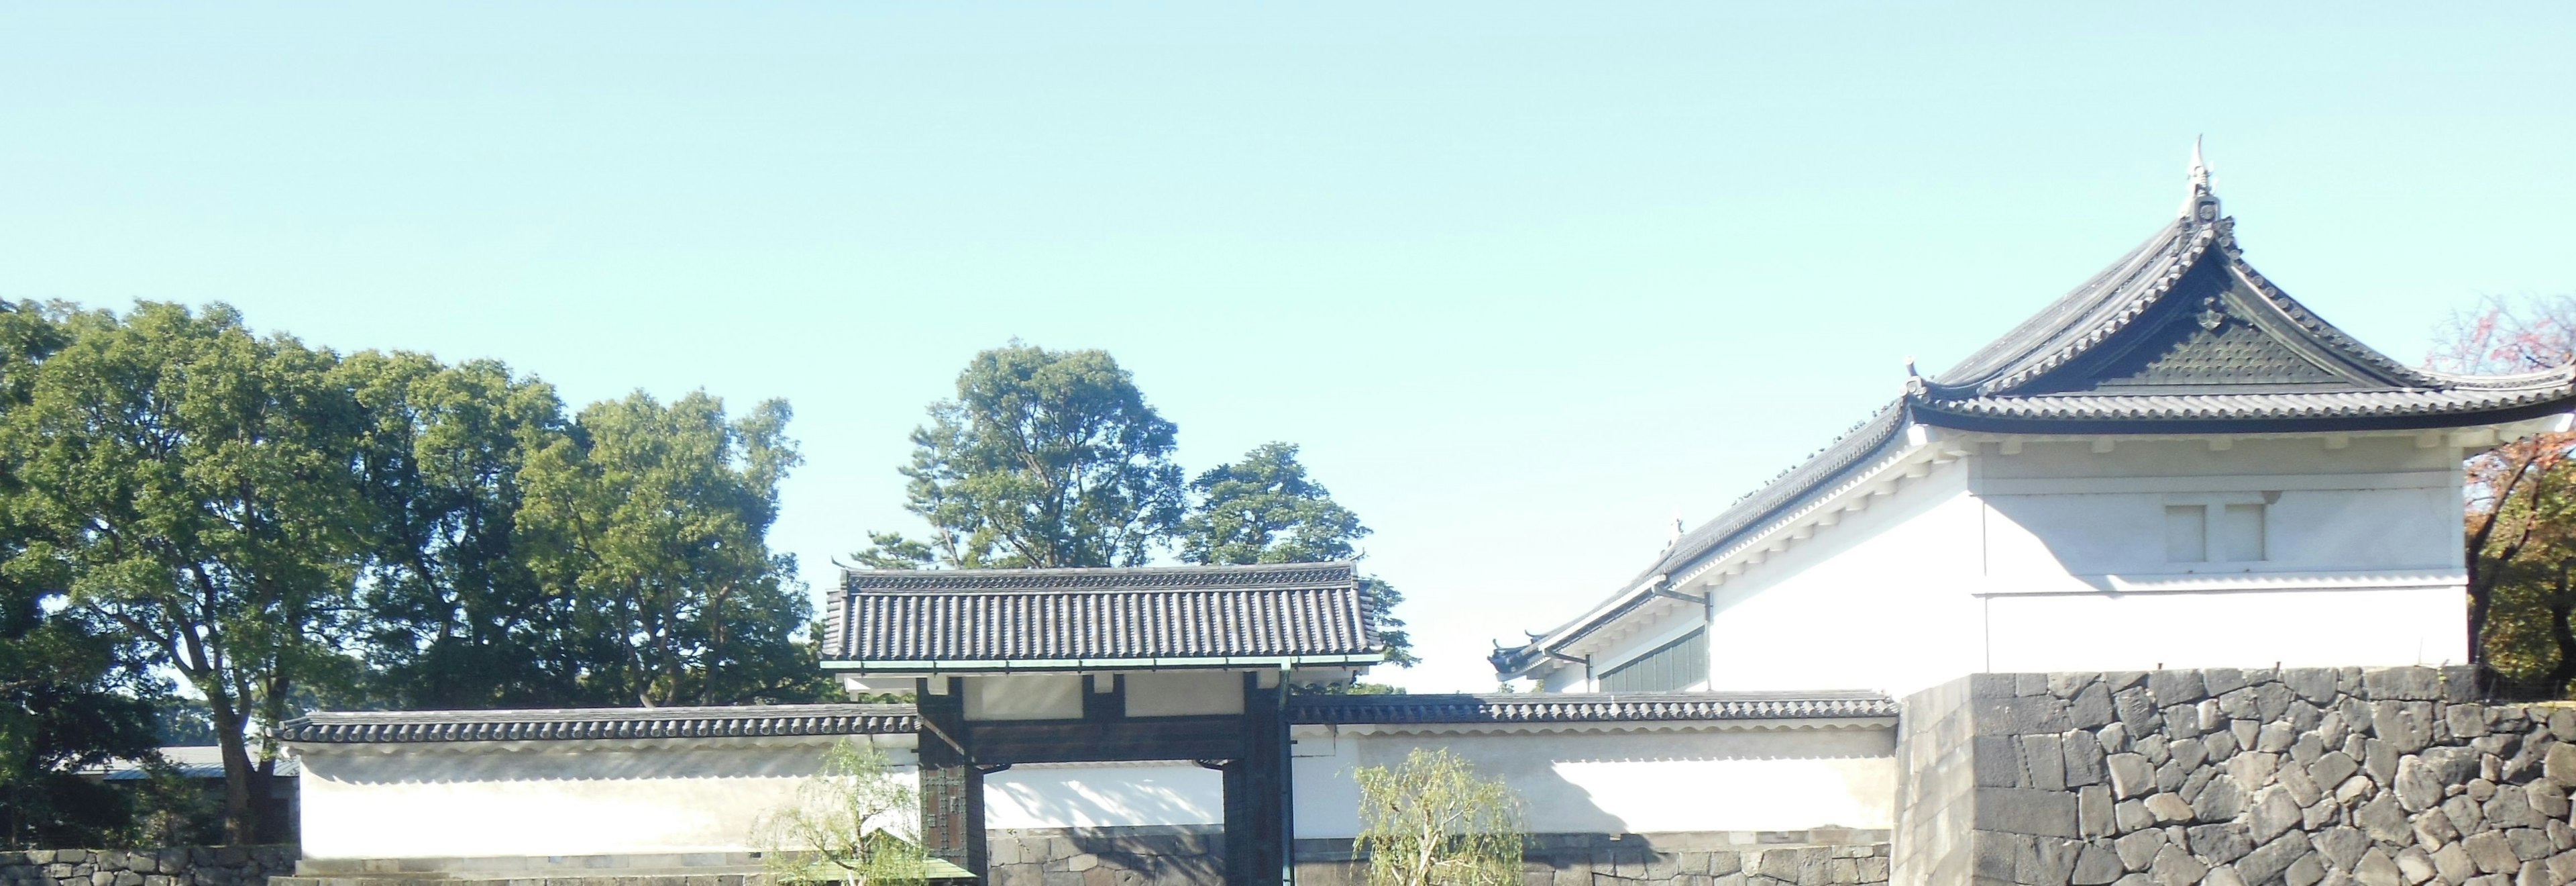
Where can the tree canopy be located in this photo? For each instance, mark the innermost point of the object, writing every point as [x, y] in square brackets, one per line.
[1054, 458]
[1044, 460]
[280, 526]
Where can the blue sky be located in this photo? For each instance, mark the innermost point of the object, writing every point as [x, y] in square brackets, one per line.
[1524, 281]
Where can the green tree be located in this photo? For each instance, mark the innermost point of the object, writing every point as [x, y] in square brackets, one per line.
[194, 485]
[66, 699]
[1432, 821]
[1045, 458]
[652, 521]
[1264, 509]
[845, 825]
[456, 615]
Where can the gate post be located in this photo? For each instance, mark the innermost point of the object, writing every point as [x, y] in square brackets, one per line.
[952, 789]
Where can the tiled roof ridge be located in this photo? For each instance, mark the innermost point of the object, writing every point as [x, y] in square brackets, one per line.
[2353, 348]
[1588, 708]
[564, 724]
[1106, 579]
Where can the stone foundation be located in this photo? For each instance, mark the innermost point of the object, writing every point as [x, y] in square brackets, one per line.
[1793, 858]
[175, 866]
[2299, 777]
[1174, 855]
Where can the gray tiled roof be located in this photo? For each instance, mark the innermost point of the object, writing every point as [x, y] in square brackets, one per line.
[2180, 336]
[970, 619]
[350, 727]
[1585, 708]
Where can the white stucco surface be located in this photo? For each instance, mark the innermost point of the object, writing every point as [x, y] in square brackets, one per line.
[1632, 782]
[2034, 555]
[1087, 796]
[471, 800]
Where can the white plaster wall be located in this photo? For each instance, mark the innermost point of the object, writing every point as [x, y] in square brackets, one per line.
[1883, 600]
[552, 799]
[1087, 796]
[2053, 558]
[2362, 562]
[1634, 782]
[1184, 693]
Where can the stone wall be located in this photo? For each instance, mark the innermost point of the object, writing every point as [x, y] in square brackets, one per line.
[175, 866]
[1803, 858]
[1172, 855]
[2299, 777]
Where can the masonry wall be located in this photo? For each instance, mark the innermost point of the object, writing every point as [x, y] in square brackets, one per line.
[1140, 855]
[1803, 858]
[175, 866]
[2384, 777]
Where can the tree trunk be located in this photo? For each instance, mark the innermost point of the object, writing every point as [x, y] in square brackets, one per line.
[241, 827]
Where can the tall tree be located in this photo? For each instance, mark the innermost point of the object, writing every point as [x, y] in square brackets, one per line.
[194, 484]
[69, 694]
[653, 521]
[1045, 458]
[2522, 505]
[457, 617]
[1264, 509]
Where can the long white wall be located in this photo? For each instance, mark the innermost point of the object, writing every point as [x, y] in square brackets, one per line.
[473, 800]
[1627, 782]
[1091, 796]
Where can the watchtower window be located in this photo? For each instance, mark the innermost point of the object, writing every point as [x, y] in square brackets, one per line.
[2222, 533]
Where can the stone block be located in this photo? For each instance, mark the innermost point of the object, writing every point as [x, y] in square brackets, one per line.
[2180, 721]
[2223, 875]
[2093, 816]
[2417, 787]
[2377, 869]
[2465, 813]
[2379, 760]
[2253, 771]
[2021, 811]
[2384, 821]
[2275, 738]
[2307, 871]
[2402, 684]
[2176, 687]
[2454, 864]
[2136, 850]
[2132, 815]
[2528, 843]
[2434, 829]
[2415, 866]
[2332, 768]
[2271, 859]
[2131, 775]
[2558, 764]
[2090, 708]
[1995, 761]
[2294, 778]
[2095, 865]
[2043, 762]
[2174, 867]
[2217, 843]
[2153, 748]
[2316, 685]
[2220, 800]
[2491, 852]
[2045, 861]
[2083, 758]
[2168, 809]
[2136, 711]
[2510, 808]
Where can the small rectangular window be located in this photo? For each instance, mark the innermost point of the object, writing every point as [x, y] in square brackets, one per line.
[2240, 533]
[2186, 533]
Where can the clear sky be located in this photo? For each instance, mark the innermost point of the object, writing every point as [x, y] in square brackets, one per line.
[1525, 281]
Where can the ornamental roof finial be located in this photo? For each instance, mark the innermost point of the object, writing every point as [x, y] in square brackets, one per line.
[2201, 207]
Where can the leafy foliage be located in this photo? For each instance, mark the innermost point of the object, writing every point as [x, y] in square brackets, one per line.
[1045, 458]
[1432, 821]
[845, 825]
[194, 484]
[1264, 509]
[279, 526]
[652, 520]
[2521, 507]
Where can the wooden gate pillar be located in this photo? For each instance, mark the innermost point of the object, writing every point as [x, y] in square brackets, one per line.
[1257, 802]
[952, 789]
